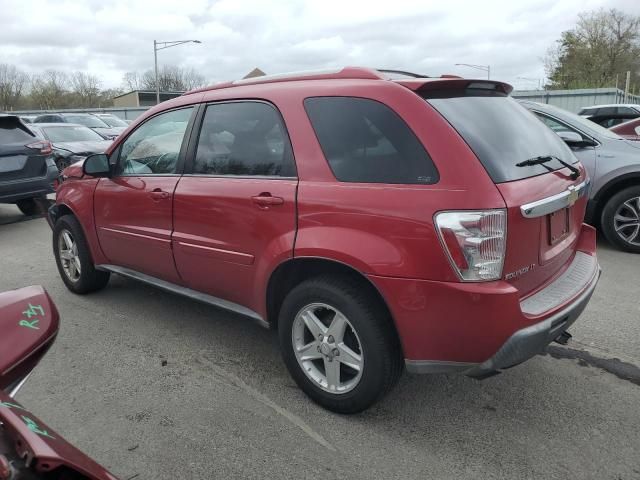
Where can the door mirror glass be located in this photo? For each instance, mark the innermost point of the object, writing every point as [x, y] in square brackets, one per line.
[96, 165]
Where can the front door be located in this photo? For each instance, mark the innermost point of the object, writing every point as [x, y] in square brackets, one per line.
[235, 207]
[133, 208]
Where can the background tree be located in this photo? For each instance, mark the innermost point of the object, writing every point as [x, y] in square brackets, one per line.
[85, 89]
[13, 83]
[604, 44]
[49, 90]
[172, 78]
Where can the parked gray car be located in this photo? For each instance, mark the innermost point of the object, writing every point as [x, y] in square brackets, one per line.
[27, 169]
[613, 164]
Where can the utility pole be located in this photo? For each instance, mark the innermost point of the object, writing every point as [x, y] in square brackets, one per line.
[626, 87]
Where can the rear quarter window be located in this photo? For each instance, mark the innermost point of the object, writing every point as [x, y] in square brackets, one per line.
[365, 141]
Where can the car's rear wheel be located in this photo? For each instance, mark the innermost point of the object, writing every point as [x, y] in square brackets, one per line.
[621, 220]
[30, 206]
[339, 344]
[73, 258]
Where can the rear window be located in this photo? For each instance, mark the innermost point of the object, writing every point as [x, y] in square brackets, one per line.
[113, 121]
[502, 133]
[13, 131]
[365, 141]
[71, 134]
[87, 121]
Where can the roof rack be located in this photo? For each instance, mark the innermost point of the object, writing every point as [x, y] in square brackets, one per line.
[402, 72]
[336, 73]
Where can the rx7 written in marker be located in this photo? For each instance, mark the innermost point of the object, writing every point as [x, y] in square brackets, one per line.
[32, 311]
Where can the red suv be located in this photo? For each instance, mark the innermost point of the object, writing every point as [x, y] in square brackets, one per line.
[377, 223]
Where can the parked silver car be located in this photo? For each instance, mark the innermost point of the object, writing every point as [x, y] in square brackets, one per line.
[613, 164]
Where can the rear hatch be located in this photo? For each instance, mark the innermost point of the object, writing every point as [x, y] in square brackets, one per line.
[541, 181]
[20, 151]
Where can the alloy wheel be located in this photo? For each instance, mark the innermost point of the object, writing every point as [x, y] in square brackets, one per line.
[69, 258]
[627, 221]
[327, 348]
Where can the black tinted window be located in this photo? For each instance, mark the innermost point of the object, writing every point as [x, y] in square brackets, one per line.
[243, 138]
[607, 111]
[502, 133]
[365, 141]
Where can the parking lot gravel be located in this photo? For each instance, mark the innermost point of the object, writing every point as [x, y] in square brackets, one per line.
[155, 386]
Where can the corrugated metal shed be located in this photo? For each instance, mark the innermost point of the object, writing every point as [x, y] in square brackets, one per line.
[574, 100]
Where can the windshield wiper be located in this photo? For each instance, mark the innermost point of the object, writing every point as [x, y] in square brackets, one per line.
[542, 159]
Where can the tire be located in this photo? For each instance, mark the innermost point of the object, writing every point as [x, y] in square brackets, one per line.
[62, 163]
[29, 206]
[70, 249]
[623, 234]
[368, 333]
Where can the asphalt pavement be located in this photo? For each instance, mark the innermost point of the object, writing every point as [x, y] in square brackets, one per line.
[155, 386]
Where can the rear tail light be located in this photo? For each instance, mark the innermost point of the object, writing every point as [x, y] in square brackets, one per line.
[475, 242]
[43, 145]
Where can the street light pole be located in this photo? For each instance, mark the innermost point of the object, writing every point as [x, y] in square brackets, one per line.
[156, 47]
[484, 68]
[155, 59]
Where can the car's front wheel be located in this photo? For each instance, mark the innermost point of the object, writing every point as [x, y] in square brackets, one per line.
[74, 259]
[338, 343]
[621, 220]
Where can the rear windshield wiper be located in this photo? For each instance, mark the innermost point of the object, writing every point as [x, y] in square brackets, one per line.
[542, 159]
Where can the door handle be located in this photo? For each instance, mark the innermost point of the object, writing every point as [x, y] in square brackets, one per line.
[266, 200]
[159, 194]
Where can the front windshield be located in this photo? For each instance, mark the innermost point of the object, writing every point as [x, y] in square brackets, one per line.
[71, 134]
[87, 120]
[113, 121]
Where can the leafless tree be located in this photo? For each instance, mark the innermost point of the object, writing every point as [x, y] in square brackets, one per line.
[13, 83]
[85, 88]
[48, 90]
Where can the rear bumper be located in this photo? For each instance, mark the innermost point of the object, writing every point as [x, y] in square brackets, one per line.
[530, 341]
[481, 328]
[15, 190]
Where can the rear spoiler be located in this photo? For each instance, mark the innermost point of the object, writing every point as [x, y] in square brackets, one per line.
[452, 84]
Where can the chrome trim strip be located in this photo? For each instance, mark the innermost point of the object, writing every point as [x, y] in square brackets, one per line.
[187, 292]
[436, 366]
[13, 389]
[551, 204]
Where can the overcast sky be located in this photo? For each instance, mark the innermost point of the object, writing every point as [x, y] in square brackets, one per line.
[111, 37]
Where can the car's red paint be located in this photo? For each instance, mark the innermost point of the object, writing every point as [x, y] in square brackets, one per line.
[461, 322]
[133, 218]
[226, 245]
[629, 130]
[48, 452]
[28, 326]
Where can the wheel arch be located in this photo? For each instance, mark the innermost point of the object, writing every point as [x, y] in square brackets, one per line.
[291, 272]
[609, 190]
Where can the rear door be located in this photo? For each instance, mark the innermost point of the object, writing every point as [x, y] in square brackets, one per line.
[133, 209]
[542, 233]
[18, 161]
[235, 207]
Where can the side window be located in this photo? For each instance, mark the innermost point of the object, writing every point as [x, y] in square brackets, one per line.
[626, 111]
[153, 148]
[365, 141]
[555, 125]
[607, 111]
[243, 138]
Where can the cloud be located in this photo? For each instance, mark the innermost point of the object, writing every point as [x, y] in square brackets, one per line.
[111, 37]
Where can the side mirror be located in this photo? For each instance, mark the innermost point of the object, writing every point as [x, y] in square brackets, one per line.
[29, 324]
[96, 165]
[574, 139]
